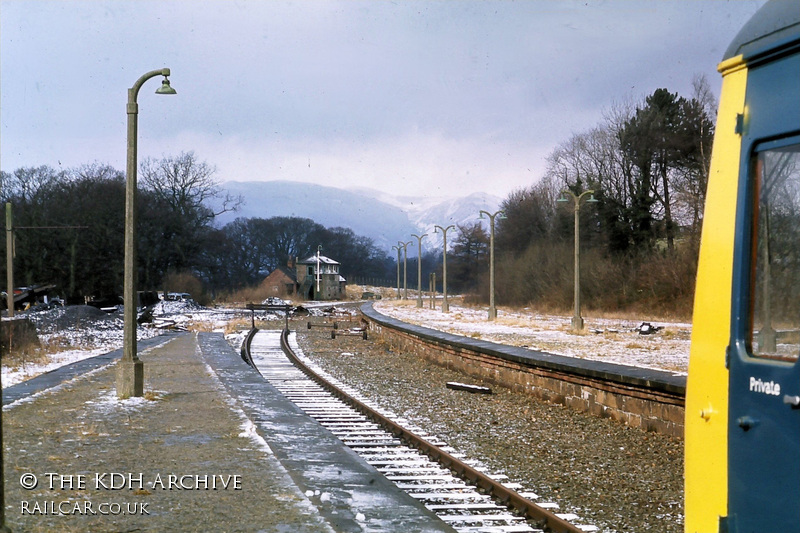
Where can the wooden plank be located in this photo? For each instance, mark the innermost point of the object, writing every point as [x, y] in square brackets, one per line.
[476, 389]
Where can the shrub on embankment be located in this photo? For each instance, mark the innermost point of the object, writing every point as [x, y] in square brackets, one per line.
[660, 284]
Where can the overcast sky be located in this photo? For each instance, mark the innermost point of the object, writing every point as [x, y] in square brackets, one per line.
[408, 97]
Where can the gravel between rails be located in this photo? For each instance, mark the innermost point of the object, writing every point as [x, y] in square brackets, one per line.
[616, 477]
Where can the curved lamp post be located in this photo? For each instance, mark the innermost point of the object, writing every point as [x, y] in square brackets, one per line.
[500, 214]
[130, 369]
[404, 245]
[445, 305]
[577, 321]
[419, 268]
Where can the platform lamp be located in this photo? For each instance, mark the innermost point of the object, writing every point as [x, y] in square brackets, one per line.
[501, 215]
[398, 269]
[130, 369]
[404, 245]
[445, 305]
[419, 268]
[577, 321]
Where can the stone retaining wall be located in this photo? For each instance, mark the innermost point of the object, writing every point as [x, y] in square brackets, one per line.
[650, 406]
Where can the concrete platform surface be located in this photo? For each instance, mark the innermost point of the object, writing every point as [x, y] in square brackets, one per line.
[211, 447]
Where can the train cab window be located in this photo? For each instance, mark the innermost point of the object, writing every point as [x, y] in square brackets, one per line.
[775, 278]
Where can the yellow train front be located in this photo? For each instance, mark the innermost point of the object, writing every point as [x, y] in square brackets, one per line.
[743, 390]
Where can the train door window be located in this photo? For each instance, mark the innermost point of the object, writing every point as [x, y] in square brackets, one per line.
[775, 278]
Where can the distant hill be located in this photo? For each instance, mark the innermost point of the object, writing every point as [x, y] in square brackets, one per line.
[384, 218]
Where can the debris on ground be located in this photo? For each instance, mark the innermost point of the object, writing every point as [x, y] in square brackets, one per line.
[475, 389]
[648, 329]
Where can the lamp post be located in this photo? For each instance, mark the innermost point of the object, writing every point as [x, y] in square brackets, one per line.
[398, 269]
[577, 321]
[130, 369]
[9, 261]
[319, 249]
[405, 267]
[419, 268]
[445, 305]
[501, 215]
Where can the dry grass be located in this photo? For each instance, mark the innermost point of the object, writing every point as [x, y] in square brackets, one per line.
[643, 316]
[256, 294]
[236, 325]
[38, 354]
[152, 396]
[513, 321]
[579, 333]
[354, 292]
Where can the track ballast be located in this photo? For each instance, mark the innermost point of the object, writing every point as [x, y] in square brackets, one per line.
[457, 490]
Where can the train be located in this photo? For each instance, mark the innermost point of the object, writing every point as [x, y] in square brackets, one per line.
[742, 426]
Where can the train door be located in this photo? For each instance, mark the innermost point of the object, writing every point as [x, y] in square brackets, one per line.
[764, 377]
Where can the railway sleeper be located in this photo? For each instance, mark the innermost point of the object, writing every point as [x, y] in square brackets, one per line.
[485, 488]
[507, 529]
[334, 325]
[356, 332]
[471, 518]
[463, 506]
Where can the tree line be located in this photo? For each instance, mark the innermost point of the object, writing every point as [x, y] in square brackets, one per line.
[69, 231]
[648, 164]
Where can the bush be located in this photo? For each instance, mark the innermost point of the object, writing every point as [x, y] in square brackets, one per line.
[185, 282]
[660, 284]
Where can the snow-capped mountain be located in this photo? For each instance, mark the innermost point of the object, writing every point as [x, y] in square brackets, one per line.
[426, 213]
[382, 217]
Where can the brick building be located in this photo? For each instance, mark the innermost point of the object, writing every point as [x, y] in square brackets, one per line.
[314, 278]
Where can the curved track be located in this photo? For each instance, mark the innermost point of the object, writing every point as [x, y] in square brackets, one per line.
[457, 491]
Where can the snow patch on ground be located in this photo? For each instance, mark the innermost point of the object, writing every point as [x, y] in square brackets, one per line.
[24, 371]
[81, 331]
[107, 401]
[610, 340]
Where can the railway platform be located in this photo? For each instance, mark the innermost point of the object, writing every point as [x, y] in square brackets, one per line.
[211, 447]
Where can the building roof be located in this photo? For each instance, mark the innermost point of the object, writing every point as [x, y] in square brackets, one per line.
[286, 271]
[322, 259]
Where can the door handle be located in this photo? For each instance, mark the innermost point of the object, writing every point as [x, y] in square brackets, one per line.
[794, 401]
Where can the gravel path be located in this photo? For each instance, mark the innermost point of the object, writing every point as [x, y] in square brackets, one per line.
[619, 478]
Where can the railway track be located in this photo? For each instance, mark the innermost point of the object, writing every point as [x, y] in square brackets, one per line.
[459, 491]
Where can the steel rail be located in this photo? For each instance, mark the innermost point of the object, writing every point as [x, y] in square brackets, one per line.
[245, 350]
[530, 510]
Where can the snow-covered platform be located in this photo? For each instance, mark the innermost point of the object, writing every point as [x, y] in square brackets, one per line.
[211, 446]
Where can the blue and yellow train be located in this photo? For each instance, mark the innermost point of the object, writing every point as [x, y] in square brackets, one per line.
[743, 390]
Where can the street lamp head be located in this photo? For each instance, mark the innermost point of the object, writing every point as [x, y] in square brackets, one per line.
[166, 88]
[499, 214]
[562, 198]
[592, 200]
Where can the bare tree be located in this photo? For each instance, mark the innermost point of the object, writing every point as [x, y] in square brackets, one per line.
[187, 185]
[182, 188]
